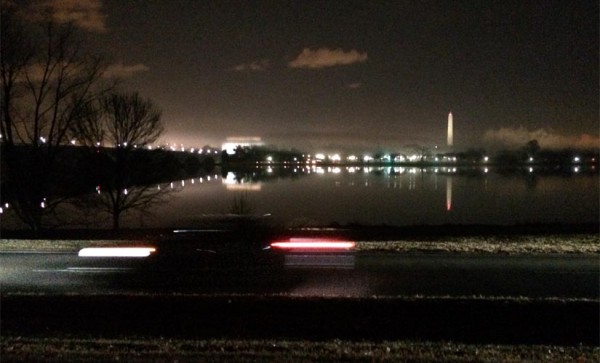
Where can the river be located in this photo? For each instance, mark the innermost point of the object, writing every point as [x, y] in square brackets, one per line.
[383, 195]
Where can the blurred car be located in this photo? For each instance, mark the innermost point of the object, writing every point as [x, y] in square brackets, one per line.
[232, 242]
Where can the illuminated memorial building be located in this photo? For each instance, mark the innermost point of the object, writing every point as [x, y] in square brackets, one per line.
[232, 142]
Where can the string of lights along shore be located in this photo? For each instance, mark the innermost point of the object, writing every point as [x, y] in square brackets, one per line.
[450, 131]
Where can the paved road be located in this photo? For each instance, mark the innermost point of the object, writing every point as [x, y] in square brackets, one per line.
[570, 276]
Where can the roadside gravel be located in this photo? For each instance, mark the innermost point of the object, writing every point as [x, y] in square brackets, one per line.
[514, 244]
[71, 349]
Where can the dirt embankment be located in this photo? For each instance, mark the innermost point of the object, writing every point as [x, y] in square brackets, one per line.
[503, 244]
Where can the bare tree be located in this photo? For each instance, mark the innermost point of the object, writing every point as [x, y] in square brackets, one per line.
[421, 151]
[125, 123]
[47, 81]
[17, 54]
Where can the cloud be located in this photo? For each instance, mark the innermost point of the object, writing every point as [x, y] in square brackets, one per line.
[120, 70]
[516, 137]
[85, 14]
[325, 57]
[256, 66]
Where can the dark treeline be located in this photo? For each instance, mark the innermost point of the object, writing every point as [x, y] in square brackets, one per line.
[548, 157]
[79, 170]
[529, 154]
[90, 178]
[245, 154]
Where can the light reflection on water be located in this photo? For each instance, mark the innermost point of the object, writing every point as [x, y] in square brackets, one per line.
[395, 195]
[391, 195]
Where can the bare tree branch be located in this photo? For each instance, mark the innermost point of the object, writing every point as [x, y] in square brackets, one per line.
[124, 121]
[48, 79]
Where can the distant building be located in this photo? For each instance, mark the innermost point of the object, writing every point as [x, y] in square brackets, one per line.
[233, 142]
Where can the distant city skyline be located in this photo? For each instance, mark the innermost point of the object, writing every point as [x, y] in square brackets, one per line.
[355, 75]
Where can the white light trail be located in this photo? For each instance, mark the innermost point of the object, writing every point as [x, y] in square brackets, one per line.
[313, 244]
[117, 252]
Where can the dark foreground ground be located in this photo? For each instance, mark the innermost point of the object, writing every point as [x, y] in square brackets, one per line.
[190, 328]
[250, 328]
[474, 320]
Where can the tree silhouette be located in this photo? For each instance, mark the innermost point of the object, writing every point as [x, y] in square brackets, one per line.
[125, 123]
[421, 151]
[47, 81]
[532, 147]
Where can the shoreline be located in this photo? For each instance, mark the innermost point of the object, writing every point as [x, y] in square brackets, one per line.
[355, 231]
[471, 239]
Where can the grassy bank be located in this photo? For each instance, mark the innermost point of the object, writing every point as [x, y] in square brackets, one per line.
[514, 244]
[138, 349]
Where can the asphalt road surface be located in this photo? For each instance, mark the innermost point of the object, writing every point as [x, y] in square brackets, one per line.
[358, 275]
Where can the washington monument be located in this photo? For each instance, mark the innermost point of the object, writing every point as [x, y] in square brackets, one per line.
[450, 134]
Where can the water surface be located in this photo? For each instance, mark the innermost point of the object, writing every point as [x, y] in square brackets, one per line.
[385, 195]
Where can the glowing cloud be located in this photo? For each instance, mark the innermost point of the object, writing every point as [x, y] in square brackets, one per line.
[85, 14]
[120, 70]
[325, 57]
[546, 138]
[256, 66]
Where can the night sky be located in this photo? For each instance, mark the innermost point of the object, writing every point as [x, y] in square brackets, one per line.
[358, 75]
